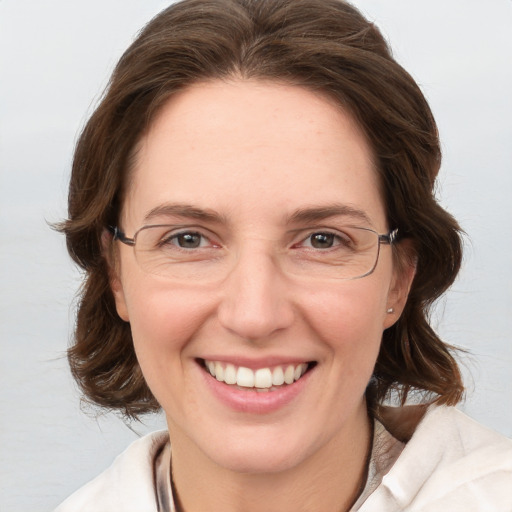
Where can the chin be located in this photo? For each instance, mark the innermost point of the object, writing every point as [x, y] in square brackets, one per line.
[259, 461]
[258, 452]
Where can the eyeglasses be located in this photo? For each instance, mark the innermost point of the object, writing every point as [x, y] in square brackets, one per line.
[184, 253]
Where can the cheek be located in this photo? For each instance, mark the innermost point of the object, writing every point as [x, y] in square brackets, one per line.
[349, 319]
[163, 321]
[346, 322]
[162, 313]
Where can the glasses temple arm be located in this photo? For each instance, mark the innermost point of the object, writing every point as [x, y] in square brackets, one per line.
[119, 235]
[390, 238]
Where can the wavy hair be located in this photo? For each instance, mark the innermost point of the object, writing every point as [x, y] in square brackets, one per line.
[326, 46]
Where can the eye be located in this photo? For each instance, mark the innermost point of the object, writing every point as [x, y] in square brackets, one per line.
[187, 240]
[322, 240]
[327, 240]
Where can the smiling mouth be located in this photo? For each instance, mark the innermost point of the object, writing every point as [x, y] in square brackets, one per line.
[260, 379]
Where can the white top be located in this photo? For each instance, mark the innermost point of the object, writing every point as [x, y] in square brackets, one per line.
[449, 464]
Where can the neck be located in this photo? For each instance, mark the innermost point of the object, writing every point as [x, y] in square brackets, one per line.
[329, 480]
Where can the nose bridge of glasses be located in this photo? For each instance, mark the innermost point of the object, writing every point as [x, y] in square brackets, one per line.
[256, 253]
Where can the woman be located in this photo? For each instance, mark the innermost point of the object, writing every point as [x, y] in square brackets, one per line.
[252, 203]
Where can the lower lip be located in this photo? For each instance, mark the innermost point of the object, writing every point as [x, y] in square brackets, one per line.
[252, 401]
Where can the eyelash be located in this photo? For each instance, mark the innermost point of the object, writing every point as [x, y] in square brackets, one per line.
[337, 240]
[174, 237]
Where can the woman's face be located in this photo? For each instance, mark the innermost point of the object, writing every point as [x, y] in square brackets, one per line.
[249, 170]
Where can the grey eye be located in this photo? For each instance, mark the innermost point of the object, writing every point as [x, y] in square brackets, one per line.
[188, 240]
[322, 240]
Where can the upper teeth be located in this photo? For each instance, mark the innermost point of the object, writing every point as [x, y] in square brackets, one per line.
[260, 378]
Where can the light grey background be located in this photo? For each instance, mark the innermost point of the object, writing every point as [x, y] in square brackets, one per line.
[55, 58]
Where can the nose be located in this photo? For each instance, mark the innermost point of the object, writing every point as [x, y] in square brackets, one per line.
[255, 300]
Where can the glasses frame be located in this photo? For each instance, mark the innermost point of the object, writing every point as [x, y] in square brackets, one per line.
[383, 239]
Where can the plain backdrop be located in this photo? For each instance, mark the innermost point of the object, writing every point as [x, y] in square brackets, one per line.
[55, 58]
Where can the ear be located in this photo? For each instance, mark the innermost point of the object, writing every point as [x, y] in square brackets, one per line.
[112, 258]
[404, 272]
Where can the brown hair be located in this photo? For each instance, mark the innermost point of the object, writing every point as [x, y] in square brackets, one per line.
[326, 46]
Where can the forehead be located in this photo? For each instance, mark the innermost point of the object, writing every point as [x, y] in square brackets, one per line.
[243, 146]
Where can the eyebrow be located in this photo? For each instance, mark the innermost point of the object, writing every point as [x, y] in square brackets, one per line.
[316, 213]
[184, 210]
[307, 214]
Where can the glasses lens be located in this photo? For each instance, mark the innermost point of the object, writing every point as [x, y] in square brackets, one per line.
[347, 253]
[178, 253]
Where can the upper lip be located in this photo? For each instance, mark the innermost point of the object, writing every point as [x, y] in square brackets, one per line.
[255, 363]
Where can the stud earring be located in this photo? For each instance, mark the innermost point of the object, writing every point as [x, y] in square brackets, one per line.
[390, 310]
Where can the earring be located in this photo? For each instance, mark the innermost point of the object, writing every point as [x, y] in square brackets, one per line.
[390, 310]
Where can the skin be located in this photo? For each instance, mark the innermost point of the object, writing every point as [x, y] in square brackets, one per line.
[255, 152]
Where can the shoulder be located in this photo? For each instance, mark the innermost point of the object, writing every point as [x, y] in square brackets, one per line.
[128, 484]
[451, 463]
